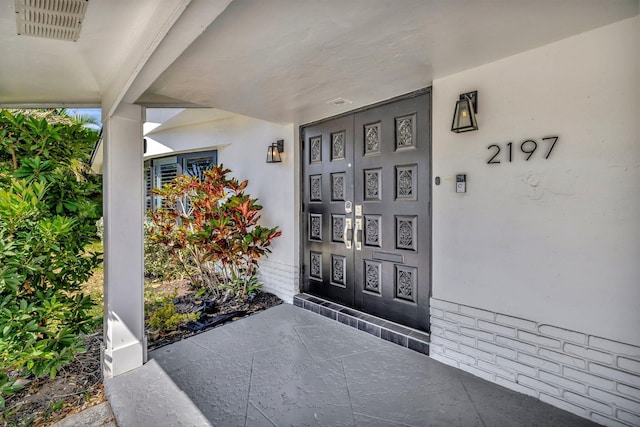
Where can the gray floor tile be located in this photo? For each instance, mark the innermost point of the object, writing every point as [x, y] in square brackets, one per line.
[367, 421]
[449, 410]
[500, 406]
[400, 385]
[412, 407]
[255, 418]
[329, 340]
[255, 333]
[179, 355]
[148, 397]
[219, 387]
[275, 360]
[228, 420]
[299, 391]
[286, 313]
[394, 366]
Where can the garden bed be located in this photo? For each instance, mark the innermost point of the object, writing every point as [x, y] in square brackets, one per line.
[211, 312]
[45, 401]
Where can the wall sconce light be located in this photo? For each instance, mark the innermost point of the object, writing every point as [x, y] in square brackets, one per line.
[464, 117]
[274, 150]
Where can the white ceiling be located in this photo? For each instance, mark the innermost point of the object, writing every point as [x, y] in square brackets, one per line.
[185, 117]
[282, 60]
[41, 71]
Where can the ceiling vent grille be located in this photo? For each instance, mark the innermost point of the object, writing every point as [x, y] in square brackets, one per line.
[340, 101]
[51, 19]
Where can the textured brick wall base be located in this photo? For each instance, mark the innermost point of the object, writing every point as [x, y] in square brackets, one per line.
[587, 375]
[279, 279]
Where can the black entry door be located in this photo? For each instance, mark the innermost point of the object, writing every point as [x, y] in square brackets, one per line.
[328, 188]
[366, 198]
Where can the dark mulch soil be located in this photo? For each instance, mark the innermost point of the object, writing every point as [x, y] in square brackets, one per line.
[78, 386]
[212, 313]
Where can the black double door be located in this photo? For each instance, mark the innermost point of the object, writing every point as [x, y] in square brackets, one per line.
[366, 205]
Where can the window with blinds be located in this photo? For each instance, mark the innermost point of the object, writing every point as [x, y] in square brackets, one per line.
[148, 186]
[161, 171]
[195, 166]
[164, 173]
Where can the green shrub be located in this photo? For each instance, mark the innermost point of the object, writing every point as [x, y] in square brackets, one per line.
[158, 262]
[48, 209]
[163, 316]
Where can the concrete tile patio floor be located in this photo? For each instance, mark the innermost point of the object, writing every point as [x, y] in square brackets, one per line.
[290, 367]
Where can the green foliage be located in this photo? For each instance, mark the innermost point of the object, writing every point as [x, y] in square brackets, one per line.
[163, 316]
[212, 230]
[27, 135]
[6, 387]
[238, 283]
[158, 263]
[48, 208]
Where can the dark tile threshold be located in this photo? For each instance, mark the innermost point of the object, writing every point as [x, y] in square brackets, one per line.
[389, 331]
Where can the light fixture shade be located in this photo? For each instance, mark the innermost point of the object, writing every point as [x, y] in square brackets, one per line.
[464, 117]
[273, 152]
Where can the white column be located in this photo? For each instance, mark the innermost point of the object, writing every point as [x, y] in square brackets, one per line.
[124, 341]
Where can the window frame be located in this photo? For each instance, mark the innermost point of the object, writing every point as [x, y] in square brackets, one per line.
[153, 176]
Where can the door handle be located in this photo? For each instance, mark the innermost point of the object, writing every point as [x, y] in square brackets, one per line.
[348, 233]
[358, 234]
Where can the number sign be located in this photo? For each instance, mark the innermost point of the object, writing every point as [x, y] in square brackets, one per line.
[528, 147]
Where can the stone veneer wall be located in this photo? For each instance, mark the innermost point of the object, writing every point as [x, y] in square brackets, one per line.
[587, 375]
[279, 279]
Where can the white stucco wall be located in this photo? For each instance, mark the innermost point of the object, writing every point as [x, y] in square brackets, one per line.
[555, 240]
[242, 147]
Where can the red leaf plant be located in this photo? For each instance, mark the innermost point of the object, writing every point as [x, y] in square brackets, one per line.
[210, 227]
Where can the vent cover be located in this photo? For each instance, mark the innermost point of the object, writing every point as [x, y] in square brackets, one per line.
[51, 19]
[340, 101]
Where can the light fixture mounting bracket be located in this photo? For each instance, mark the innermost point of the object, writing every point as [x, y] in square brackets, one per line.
[473, 97]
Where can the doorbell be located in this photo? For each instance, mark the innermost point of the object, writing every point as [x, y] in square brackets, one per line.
[461, 183]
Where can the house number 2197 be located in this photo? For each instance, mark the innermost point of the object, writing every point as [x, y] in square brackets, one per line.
[527, 147]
